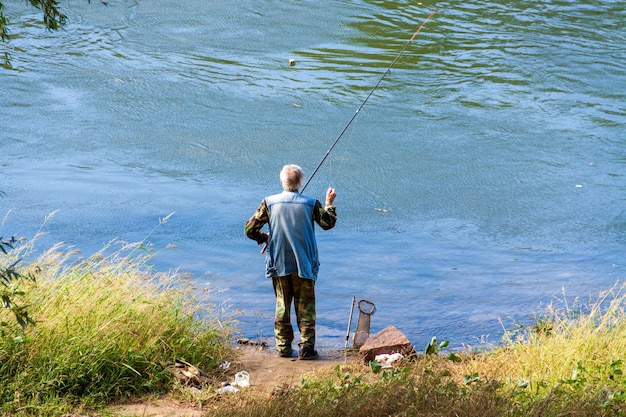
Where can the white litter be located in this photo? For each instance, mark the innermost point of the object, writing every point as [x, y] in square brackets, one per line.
[242, 379]
[386, 361]
[227, 388]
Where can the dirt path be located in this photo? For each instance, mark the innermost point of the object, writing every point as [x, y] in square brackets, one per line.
[267, 372]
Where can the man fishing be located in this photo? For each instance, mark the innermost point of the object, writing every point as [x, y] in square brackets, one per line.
[291, 256]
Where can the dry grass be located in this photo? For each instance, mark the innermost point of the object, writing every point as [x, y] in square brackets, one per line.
[579, 348]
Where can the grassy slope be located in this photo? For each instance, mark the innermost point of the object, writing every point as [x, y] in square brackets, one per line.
[104, 328]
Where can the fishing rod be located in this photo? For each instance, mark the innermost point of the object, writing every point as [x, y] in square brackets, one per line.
[349, 327]
[406, 45]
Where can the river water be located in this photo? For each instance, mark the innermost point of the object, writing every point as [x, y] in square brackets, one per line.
[483, 179]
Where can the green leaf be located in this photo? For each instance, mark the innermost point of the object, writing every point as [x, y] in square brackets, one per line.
[453, 357]
[431, 348]
[375, 367]
[468, 379]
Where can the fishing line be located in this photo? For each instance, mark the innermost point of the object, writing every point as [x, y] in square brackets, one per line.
[332, 162]
[406, 45]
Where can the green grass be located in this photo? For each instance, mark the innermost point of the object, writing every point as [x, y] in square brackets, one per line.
[103, 328]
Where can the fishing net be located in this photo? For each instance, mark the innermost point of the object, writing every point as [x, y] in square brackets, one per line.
[366, 310]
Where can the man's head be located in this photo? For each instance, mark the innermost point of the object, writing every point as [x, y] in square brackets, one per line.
[291, 177]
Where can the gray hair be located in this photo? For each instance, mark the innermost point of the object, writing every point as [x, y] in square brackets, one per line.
[291, 177]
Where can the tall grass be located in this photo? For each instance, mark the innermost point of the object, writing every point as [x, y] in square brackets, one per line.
[572, 349]
[104, 327]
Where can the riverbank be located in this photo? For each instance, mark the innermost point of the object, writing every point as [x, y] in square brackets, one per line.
[269, 374]
[104, 333]
[567, 363]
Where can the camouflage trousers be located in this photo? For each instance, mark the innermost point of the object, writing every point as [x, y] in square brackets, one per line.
[302, 292]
